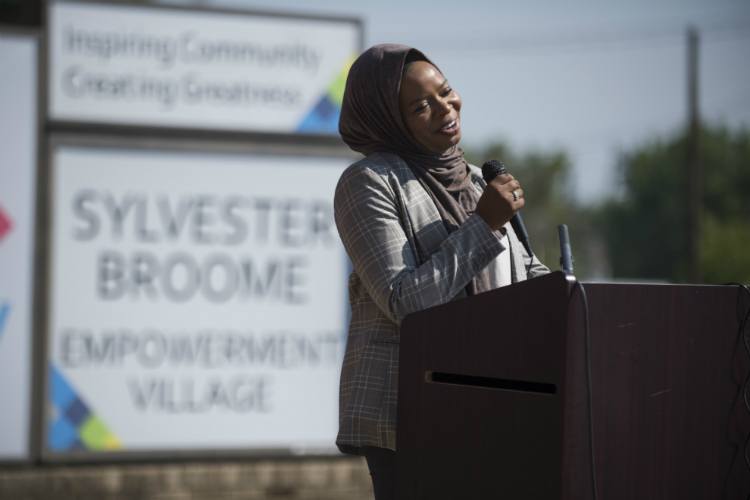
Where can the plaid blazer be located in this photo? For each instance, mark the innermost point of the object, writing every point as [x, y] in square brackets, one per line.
[404, 261]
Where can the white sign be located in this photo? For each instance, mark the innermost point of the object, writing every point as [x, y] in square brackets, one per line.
[151, 66]
[18, 143]
[198, 301]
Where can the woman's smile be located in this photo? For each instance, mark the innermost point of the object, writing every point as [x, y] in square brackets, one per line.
[452, 127]
[430, 108]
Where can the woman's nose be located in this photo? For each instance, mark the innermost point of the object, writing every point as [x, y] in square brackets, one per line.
[445, 105]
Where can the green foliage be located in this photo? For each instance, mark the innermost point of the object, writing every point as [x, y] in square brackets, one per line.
[545, 179]
[646, 230]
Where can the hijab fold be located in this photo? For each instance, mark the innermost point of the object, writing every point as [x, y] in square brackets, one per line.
[371, 122]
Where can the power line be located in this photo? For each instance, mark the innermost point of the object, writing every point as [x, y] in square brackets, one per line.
[592, 40]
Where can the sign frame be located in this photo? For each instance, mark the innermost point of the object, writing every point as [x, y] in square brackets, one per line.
[89, 127]
[39, 245]
[54, 133]
[44, 290]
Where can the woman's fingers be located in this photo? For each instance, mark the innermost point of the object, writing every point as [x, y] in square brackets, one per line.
[503, 178]
[498, 203]
[506, 182]
[518, 196]
[512, 186]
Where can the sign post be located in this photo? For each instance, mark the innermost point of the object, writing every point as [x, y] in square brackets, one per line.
[18, 158]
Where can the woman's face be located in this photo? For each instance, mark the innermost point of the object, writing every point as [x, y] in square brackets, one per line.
[430, 108]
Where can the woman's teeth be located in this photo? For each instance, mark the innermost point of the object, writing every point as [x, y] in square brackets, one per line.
[450, 125]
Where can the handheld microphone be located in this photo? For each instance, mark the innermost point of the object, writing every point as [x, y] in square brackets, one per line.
[566, 256]
[490, 170]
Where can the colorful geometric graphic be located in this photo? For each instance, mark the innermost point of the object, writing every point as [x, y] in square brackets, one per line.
[4, 313]
[5, 224]
[324, 117]
[75, 427]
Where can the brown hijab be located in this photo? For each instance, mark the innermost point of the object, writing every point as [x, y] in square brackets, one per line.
[371, 122]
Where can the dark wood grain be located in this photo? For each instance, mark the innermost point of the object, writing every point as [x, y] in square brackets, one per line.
[667, 364]
[465, 442]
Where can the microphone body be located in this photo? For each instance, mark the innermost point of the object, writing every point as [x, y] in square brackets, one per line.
[566, 256]
[490, 170]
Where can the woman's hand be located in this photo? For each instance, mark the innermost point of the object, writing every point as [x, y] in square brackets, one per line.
[497, 205]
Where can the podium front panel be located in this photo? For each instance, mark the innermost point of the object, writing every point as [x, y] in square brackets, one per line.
[484, 380]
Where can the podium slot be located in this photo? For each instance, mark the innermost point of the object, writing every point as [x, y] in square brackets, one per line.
[490, 383]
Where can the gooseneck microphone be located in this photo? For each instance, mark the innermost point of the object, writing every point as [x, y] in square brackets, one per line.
[490, 170]
[566, 256]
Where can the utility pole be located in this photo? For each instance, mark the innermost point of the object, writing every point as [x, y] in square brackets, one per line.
[693, 163]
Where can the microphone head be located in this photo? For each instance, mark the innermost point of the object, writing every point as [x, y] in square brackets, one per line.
[491, 169]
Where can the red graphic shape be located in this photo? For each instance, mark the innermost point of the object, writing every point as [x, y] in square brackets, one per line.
[5, 224]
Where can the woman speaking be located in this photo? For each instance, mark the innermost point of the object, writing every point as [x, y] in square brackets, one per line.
[420, 226]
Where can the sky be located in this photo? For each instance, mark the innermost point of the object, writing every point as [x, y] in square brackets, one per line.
[591, 78]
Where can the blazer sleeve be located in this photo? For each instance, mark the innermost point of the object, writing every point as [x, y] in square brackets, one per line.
[369, 221]
[534, 268]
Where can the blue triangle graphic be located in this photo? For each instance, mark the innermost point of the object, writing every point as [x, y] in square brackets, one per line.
[323, 119]
[4, 313]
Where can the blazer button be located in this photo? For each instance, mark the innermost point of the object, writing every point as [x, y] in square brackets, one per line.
[477, 266]
[503, 231]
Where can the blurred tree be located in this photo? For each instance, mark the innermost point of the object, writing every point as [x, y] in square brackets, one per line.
[645, 230]
[546, 181]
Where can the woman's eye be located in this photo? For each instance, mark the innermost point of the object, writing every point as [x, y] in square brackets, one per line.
[421, 107]
[447, 91]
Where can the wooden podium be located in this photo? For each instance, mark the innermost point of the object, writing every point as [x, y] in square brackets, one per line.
[493, 397]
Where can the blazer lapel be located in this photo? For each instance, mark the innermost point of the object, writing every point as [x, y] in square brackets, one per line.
[428, 227]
